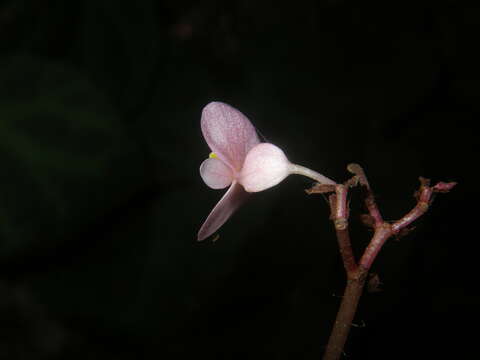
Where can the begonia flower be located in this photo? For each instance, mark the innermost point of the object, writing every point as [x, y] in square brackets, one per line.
[241, 161]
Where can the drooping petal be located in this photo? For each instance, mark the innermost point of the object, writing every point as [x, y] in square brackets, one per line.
[228, 133]
[233, 198]
[216, 174]
[265, 166]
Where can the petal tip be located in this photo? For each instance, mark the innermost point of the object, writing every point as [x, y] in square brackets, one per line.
[227, 205]
[204, 233]
[214, 106]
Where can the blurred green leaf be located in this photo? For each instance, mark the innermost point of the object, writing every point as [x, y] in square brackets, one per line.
[65, 157]
[120, 47]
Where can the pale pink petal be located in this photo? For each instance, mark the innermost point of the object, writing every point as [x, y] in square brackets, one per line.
[228, 133]
[265, 166]
[233, 198]
[216, 174]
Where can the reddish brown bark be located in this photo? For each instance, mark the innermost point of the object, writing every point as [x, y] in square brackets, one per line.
[357, 273]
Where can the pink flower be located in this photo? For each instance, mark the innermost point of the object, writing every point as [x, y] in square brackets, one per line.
[240, 161]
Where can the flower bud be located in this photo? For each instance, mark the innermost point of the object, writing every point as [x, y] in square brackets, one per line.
[265, 166]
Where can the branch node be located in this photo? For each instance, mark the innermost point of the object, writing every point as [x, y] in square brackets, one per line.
[352, 182]
[341, 223]
[423, 206]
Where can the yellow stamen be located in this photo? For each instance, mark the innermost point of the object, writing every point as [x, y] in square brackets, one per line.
[213, 156]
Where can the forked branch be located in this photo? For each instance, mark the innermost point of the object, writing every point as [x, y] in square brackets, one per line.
[357, 272]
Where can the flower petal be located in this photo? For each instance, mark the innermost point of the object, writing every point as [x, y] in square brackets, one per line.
[215, 173]
[228, 133]
[265, 166]
[233, 198]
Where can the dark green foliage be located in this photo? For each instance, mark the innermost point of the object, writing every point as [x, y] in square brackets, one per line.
[66, 158]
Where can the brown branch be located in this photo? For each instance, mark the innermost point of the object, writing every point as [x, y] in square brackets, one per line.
[346, 313]
[384, 231]
[370, 202]
[380, 236]
[339, 216]
[356, 274]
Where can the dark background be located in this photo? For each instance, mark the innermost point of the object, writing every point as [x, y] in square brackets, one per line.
[101, 200]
